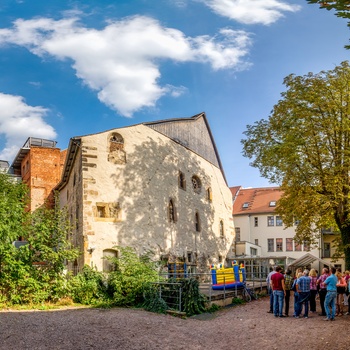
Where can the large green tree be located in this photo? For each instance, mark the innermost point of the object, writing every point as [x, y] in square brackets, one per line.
[33, 272]
[304, 146]
[13, 201]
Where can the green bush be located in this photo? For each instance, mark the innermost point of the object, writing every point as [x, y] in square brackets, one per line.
[153, 302]
[132, 273]
[88, 287]
[193, 301]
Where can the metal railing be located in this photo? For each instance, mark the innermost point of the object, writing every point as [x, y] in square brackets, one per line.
[170, 292]
[255, 284]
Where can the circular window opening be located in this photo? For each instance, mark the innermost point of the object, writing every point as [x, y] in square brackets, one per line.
[196, 184]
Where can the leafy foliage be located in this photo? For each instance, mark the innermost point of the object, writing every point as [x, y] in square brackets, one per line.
[341, 7]
[193, 300]
[154, 302]
[305, 146]
[237, 301]
[32, 273]
[132, 273]
[89, 287]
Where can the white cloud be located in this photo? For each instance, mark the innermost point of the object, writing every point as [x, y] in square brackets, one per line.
[251, 11]
[18, 121]
[176, 91]
[121, 62]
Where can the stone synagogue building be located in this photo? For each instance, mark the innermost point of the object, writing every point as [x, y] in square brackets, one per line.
[156, 187]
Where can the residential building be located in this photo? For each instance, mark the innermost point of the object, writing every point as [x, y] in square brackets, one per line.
[262, 239]
[156, 187]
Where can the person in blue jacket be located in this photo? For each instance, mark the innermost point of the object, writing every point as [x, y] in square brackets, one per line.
[331, 296]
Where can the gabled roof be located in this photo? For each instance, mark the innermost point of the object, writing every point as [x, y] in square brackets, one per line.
[255, 200]
[193, 133]
[308, 259]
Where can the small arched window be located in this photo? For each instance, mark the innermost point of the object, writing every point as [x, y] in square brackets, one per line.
[171, 211]
[221, 228]
[209, 194]
[116, 152]
[197, 222]
[116, 142]
[108, 263]
[182, 180]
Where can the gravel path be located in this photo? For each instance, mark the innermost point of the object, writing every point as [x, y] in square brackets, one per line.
[247, 326]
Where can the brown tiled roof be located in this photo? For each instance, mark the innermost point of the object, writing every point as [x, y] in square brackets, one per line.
[234, 191]
[258, 200]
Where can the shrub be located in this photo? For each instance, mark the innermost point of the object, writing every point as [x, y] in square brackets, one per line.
[132, 272]
[88, 287]
[193, 301]
[153, 302]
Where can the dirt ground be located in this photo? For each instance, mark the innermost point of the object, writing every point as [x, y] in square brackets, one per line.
[246, 326]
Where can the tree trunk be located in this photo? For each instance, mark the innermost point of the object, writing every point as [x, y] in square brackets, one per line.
[345, 237]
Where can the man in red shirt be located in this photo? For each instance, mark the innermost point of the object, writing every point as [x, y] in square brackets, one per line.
[278, 288]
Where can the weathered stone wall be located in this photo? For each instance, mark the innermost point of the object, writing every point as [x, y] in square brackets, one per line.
[135, 192]
[71, 197]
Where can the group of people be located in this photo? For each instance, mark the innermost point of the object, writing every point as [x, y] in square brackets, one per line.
[332, 289]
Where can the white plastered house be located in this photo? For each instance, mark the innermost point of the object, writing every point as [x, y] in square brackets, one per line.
[262, 240]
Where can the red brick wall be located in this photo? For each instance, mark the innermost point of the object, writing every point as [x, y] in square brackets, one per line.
[43, 174]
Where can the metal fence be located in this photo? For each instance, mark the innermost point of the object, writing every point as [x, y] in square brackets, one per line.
[254, 285]
[170, 292]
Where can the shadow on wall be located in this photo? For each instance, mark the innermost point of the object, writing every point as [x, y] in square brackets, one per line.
[146, 184]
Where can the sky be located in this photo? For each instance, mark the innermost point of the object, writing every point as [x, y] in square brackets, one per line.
[72, 68]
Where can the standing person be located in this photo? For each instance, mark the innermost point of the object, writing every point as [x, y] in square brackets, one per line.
[288, 282]
[331, 296]
[346, 295]
[341, 286]
[297, 271]
[303, 288]
[313, 289]
[346, 276]
[269, 290]
[277, 286]
[322, 289]
[296, 294]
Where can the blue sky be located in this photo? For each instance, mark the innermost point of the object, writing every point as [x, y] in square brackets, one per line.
[70, 68]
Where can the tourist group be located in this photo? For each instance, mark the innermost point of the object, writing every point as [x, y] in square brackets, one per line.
[331, 288]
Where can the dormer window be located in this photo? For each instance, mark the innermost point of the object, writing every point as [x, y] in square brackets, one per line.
[272, 204]
[245, 205]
